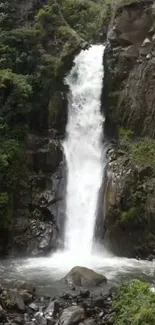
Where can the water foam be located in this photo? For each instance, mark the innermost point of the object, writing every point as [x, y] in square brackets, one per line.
[83, 150]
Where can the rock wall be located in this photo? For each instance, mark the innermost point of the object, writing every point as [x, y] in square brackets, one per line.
[129, 100]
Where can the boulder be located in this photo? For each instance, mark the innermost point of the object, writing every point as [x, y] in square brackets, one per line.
[146, 47]
[53, 308]
[34, 306]
[23, 285]
[72, 315]
[82, 276]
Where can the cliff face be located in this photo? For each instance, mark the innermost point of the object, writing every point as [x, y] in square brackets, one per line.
[130, 82]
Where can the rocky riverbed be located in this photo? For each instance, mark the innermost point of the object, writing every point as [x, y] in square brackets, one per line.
[21, 304]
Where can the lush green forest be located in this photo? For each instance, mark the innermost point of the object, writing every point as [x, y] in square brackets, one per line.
[37, 43]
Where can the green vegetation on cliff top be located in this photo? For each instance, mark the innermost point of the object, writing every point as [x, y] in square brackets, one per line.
[134, 304]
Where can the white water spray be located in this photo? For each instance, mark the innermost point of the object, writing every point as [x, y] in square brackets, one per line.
[83, 149]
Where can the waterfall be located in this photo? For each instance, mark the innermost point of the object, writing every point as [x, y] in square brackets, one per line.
[83, 149]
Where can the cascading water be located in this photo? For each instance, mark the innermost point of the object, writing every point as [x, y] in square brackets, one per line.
[85, 161]
[83, 149]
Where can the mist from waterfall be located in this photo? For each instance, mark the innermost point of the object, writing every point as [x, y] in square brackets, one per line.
[83, 149]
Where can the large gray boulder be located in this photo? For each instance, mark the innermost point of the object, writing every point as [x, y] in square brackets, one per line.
[72, 315]
[82, 276]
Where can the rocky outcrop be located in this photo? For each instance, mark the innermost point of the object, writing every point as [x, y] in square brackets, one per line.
[129, 66]
[33, 237]
[82, 276]
[128, 101]
[129, 208]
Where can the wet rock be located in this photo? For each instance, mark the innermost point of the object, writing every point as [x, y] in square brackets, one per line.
[23, 285]
[65, 296]
[146, 47]
[101, 314]
[41, 236]
[27, 297]
[82, 276]
[130, 52]
[27, 318]
[2, 315]
[34, 306]
[112, 34]
[90, 322]
[84, 293]
[51, 321]
[16, 299]
[72, 315]
[41, 320]
[53, 308]
[107, 320]
[18, 320]
[99, 302]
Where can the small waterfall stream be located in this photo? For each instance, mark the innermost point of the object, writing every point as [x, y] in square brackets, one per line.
[83, 149]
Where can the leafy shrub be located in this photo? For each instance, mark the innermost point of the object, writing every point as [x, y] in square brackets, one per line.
[141, 151]
[134, 304]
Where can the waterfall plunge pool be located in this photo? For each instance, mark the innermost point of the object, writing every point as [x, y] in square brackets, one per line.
[45, 273]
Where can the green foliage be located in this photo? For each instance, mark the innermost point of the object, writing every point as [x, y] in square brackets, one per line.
[86, 17]
[134, 305]
[141, 151]
[18, 49]
[11, 161]
[15, 102]
[37, 46]
[128, 215]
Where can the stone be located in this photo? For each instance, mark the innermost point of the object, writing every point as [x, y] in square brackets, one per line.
[41, 320]
[131, 52]
[17, 299]
[65, 296]
[23, 285]
[18, 320]
[72, 315]
[146, 47]
[111, 35]
[82, 276]
[101, 314]
[27, 297]
[53, 308]
[51, 321]
[84, 293]
[39, 236]
[153, 38]
[2, 314]
[90, 321]
[27, 318]
[34, 306]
